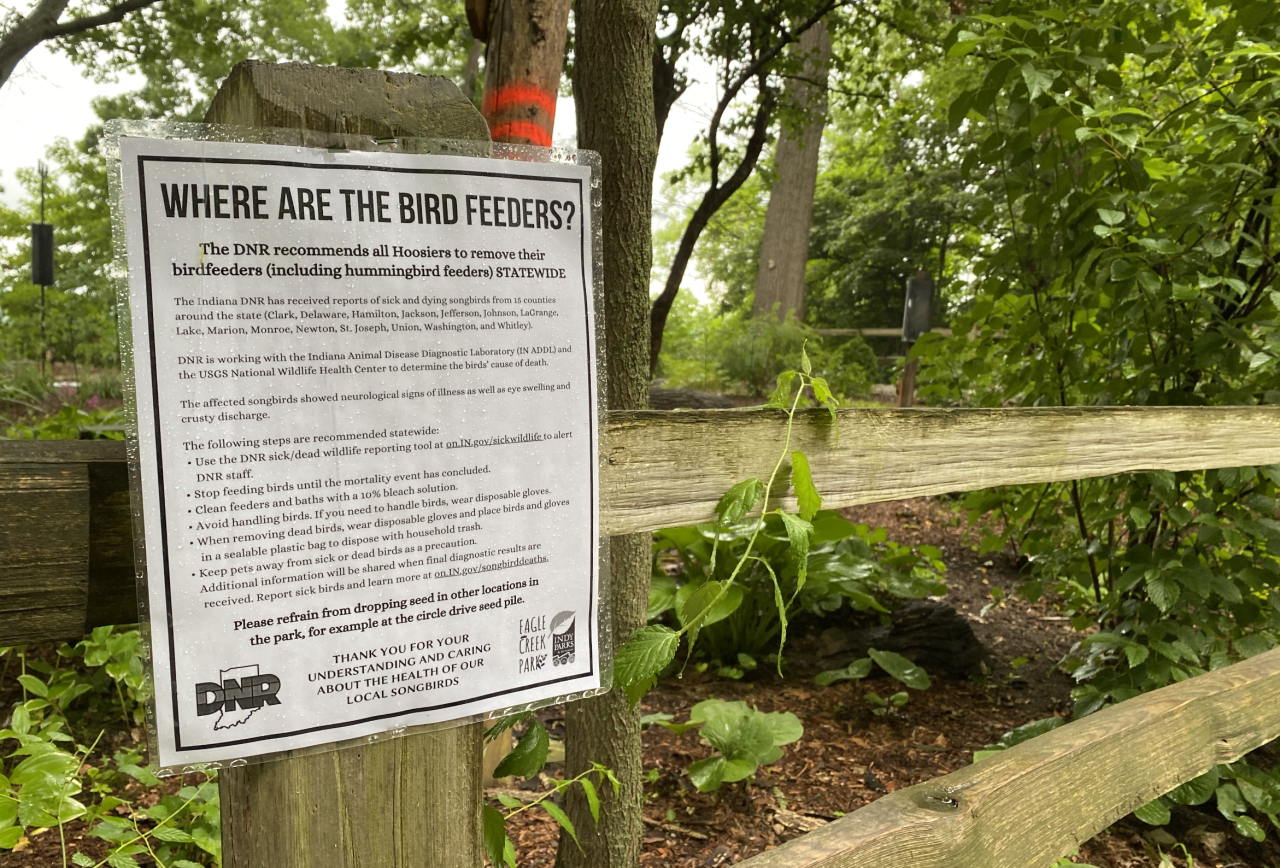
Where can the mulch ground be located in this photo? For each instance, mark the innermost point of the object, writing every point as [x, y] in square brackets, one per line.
[848, 758]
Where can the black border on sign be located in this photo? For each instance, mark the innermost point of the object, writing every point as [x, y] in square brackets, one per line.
[592, 421]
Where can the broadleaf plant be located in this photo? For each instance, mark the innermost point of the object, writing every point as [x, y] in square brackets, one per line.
[648, 651]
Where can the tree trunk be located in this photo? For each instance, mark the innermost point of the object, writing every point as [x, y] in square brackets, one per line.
[522, 68]
[784, 250]
[614, 92]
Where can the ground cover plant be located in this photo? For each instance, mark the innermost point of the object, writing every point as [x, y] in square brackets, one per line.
[70, 761]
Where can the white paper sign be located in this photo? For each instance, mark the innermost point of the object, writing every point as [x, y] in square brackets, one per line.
[366, 397]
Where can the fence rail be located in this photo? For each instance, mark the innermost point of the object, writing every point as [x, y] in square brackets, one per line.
[64, 505]
[66, 536]
[1035, 802]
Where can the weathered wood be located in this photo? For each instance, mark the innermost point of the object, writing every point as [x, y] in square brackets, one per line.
[871, 333]
[44, 524]
[669, 469]
[328, 99]
[1036, 802]
[405, 802]
[396, 803]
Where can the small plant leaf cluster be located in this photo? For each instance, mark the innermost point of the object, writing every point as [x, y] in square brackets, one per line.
[744, 737]
[896, 666]
[52, 772]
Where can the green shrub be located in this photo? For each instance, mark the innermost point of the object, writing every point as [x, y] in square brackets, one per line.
[848, 564]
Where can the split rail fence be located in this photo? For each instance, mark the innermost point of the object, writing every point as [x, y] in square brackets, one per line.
[67, 543]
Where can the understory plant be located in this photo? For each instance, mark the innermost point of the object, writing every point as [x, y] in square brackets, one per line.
[651, 649]
[894, 665]
[744, 738]
[526, 760]
[56, 768]
[1132, 155]
[848, 565]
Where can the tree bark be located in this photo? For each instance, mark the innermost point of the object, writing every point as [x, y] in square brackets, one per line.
[784, 249]
[614, 92]
[522, 68]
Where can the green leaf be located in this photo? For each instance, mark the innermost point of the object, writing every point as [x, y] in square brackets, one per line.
[34, 685]
[798, 531]
[528, 756]
[170, 834]
[739, 500]
[497, 845]
[84, 861]
[805, 364]
[1249, 828]
[1111, 218]
[10, 837]
[807, 495]
[707, 774]
[593, 798]
[855, 671]
[508, 801]
[662, 595]
[1163, 590]
[1038, 80]
[784, 726]
[1026, 732]
[1196, 791]
[901, 669]
[697, 605]
[562, 818]
[638, 662]
[781, 396]
[1154, 813]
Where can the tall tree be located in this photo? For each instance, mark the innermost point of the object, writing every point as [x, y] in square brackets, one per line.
[784, 250]
[45, 21]
[613, 89]
[747, 40]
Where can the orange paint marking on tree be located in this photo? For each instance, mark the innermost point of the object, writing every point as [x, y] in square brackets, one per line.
[521, 113]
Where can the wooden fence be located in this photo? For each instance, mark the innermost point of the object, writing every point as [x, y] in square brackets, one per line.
[65, 532]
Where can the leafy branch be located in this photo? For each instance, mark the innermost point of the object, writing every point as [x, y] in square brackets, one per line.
[650, 649]
[525, 760]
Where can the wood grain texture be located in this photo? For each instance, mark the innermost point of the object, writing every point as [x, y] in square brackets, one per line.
[1036, 802]
[406, 802]
[44, 537]
[669, 469]
[330, 99]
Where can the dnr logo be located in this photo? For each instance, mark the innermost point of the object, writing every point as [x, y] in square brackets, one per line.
[564, 641]
[238, 694]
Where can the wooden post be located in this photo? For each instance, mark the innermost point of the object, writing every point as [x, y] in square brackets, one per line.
[522, 65]
[907, 385]
[405, 802]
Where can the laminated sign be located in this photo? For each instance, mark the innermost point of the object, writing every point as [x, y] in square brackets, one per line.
[367, 422]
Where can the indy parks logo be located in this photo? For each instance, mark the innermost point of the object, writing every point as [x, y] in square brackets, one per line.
[242, 691]
[564, 642]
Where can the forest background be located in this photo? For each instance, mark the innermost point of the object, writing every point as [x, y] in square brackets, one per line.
[1091, 185]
